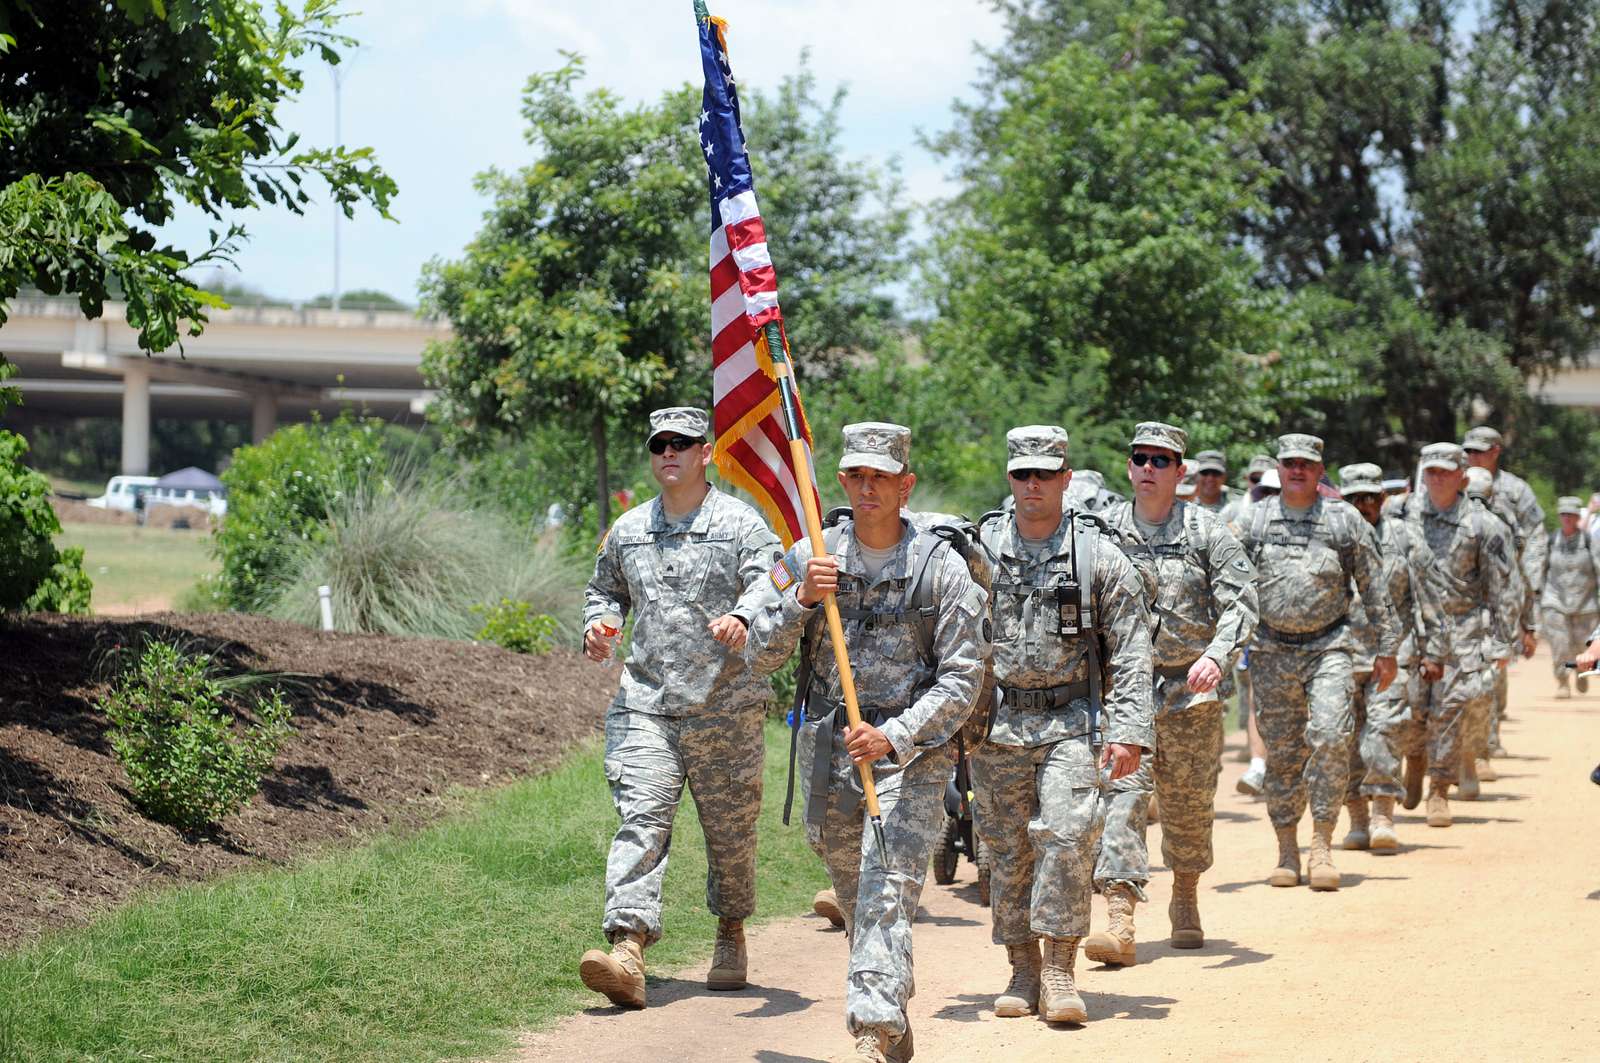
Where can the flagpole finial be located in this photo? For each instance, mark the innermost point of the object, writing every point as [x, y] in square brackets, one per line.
[700, 10]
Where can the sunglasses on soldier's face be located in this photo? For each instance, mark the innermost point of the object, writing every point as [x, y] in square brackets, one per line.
[1024, 475]
[1160, 461]
[678, 444]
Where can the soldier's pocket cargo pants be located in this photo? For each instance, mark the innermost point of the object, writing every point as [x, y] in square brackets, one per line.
[882, 899]
[1380, 722]
[648, 760]
[1302, 701]
[1039, 813]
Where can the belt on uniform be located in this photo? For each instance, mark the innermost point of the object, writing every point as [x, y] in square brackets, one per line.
[832, 714]
[1300, 638]
[1043, 699]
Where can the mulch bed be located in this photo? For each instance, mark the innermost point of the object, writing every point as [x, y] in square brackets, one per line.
[385, 729]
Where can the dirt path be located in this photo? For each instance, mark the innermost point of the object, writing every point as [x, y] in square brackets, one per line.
[1476, 941]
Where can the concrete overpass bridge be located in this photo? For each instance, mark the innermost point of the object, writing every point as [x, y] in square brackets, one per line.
[264, 364]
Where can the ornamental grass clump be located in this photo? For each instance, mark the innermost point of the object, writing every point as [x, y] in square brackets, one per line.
[405, 552]
[177, 732]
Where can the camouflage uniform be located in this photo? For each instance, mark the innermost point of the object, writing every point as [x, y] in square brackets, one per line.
[1205, 606]
[1570, 605]
[1520, 611]
[688, 710]
[1471, 564]
[1300, 665]
[918, 702]
[1381, 716]
[1517, 502]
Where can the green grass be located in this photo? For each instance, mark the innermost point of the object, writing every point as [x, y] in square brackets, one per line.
[147, 568]
[442, 944]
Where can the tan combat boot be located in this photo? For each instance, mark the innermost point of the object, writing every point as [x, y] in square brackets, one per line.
[1323, 875]
[728, 960]
[1486, 772]
[1153, 811]
[1184, 911]
[618, 974]
[1359, 836]
[826, 904]
[1058, 995]
[1021, 996]
[1439, 805]
[869, 1048]
[1384, 839]
[1287, 873]
[1416, 767]
[1467, 779]
[1115, 945]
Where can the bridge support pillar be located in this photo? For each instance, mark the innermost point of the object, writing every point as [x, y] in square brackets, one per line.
[135, 418]
[263, 415]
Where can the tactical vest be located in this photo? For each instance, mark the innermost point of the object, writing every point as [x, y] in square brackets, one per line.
[916, 607]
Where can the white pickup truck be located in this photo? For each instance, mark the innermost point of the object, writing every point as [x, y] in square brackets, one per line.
[122, 491]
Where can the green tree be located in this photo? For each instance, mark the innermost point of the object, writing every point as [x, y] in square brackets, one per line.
[1091, 262]
[1433, 170]
[34, 575]
[583, 301]
[112, 113]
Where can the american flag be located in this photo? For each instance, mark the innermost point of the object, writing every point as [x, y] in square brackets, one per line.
[752, 449]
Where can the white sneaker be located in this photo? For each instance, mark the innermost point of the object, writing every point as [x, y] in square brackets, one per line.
[1252, 782]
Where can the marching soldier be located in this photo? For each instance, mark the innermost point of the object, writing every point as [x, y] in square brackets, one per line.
[916, 630]
[1071, 709]
[1520, 609]
[1211, 481]
[689, 566]
[1380, 716]
[1308, 552]
[1203, 614]
[1471, 564]
[1570, 607]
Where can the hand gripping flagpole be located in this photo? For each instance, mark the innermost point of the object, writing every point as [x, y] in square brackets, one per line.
[830, 605]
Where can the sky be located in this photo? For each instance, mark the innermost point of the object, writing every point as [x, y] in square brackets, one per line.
[435, 90]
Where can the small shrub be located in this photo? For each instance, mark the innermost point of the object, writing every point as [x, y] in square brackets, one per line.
[172, 729]
[517, 627]
[34, 575]
[280, 493]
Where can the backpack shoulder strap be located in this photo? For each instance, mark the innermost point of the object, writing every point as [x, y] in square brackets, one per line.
[924, 548]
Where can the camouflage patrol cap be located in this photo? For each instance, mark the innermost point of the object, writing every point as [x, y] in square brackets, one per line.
[690, 421]
[1362, 478]
[1569, 504]
[1482, 438]
[876, 445]
[1480, 483]
[1299, 445]
[1443, 456]
[1211, 461]
[1036, 446]
[1156, 434]
[1261, 463]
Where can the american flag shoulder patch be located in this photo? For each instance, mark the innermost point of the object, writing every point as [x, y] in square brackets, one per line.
[782, 576]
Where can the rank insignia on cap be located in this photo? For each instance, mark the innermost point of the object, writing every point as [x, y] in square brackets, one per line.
[782, 578]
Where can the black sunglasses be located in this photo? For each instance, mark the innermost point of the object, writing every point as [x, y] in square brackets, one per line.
[1024, 475]
[1160, 461]
[679, 444]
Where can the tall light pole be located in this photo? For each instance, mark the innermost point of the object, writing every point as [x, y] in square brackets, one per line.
[338, 142]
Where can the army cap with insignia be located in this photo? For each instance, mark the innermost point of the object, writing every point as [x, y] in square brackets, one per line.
[1482, 438]
[1569, 504]
[689, 421]
[1480, 483]
[876, 445]
[1299, 445]
[1211, 461]
[1036, 446]
[1362, 478]
[1155, 434]
[1443, 456]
